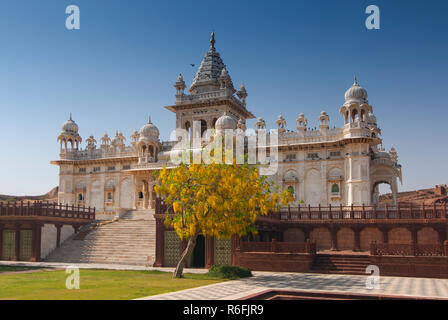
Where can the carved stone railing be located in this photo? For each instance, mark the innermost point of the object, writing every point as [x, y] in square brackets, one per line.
[98, 153]
[425, 250]
[46, 209]
[153, 165]
[346, 213]
[386, 212]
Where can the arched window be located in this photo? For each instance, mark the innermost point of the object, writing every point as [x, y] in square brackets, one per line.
[140, 195]
[80, 197]
[203, 126]
[355, 115]
[335, 188]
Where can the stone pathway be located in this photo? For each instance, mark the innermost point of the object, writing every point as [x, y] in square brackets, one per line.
[262, 281]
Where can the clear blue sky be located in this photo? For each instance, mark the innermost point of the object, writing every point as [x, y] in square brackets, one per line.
[293, 56]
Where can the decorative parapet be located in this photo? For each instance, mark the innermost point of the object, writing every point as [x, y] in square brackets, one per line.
[198, 97]
[310, 136]
[73, 154]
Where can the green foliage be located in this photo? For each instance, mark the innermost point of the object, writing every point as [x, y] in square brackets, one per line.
[229, 272]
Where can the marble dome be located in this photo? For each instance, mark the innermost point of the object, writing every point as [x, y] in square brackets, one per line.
[149, 130]
[356, 92]
[225, 122]
[70, 126]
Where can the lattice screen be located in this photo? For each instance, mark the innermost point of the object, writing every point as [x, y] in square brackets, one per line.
[26, 242]
[9, 244]
[172, 249]
[223, 251]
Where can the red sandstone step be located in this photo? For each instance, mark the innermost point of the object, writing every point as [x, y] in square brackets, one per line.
[340, 264]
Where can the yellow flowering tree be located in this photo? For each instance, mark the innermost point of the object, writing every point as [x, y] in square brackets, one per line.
[218, 200]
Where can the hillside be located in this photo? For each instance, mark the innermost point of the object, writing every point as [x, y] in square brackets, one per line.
[52, 195]
[438, 194]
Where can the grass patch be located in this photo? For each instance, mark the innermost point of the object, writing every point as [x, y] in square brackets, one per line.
[97, 284]
[229, 272]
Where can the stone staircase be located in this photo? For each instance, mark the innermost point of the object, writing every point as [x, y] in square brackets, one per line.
[130, 240]
[340, 264]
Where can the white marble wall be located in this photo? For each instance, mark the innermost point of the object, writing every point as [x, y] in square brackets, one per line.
[49, 235]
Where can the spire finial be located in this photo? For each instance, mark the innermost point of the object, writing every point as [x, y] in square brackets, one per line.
[149, 119]
[355, 83]
[212, 40]
[71, 116]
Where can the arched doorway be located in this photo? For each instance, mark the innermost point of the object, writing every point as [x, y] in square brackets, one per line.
[382, 188]
[198, 255]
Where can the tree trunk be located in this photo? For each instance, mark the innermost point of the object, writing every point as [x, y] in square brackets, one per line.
[188, 250]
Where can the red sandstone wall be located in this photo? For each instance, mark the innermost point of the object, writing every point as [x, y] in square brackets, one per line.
[427, 235]
[400, 236]
[369, 234]
[293, 235]
[322, 237]
[282, 262]
[426, 267]
[346, 239]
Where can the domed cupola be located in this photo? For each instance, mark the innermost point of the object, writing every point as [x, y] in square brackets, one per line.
[69, 135]
[70, 126]
[356, 107]
[148, 145]
[356, 92]
[225, 122]
[149, 132]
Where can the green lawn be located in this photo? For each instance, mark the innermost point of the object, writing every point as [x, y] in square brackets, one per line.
[96, 284]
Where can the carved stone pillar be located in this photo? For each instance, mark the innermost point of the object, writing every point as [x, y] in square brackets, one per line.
[58, 235]
[145, 194]
[160, 242]
[150, 197]
[385, 232]
[413, 234]
[236, 243]
[441, 232]
[39, 241]
[357, 232]
[394, 188]
[1, 241]
[306, 232]
[210, 251]
[334, 239]
[17, 248]
[35, 245]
